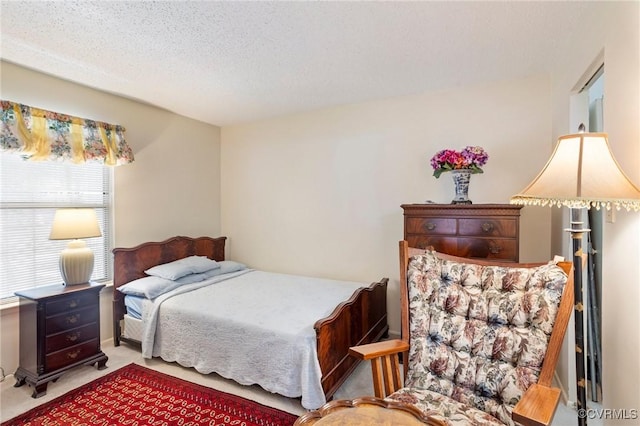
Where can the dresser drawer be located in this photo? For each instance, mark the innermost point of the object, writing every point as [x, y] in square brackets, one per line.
[431, 226]
[68, 303]
[69, 320]
[70, 355]
[72, 337]
[499, 249]
[447, 245]
[488, 227]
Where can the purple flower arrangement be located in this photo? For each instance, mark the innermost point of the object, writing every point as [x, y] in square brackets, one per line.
[470, 158]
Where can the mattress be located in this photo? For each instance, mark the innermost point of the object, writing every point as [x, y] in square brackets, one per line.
[134, 305]
[255, 328]
[133, 328]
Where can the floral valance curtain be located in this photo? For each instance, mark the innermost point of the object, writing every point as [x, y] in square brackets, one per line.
[42, 135]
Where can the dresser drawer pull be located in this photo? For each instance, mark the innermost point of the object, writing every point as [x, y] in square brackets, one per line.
[73, 319]
[430, 226]
[74, 354]
[73, 303]
[487, 227]
[73, 336]
[495, 249]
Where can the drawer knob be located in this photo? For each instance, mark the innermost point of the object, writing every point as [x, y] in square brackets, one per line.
[487, 227]
[73, 319]
[73, 304]
[430, 226]
[73, 336]
[495, 249]
[74, 354]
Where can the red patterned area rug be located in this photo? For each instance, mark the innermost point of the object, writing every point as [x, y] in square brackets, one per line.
[136, 396]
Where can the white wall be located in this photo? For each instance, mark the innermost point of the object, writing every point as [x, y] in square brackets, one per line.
[173, 187]
[621, 267]
[320, 193]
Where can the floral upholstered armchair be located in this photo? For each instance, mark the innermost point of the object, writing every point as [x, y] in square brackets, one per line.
[481, 339]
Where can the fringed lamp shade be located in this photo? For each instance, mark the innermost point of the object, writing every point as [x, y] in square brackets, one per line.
[581, 173]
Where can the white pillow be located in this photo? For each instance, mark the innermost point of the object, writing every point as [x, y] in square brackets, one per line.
[152, 287]
[149, 287]
[179, 268]
[226, 267]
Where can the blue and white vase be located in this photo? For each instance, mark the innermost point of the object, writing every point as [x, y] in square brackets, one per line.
[461, 180]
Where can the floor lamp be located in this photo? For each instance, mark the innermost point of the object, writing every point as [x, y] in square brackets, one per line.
[581, 173]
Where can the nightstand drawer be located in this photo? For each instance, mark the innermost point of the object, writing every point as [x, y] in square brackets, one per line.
[78, 335]
[66, 304]
[69, 320]
[71, 355]
[431, 225]
[488, 227]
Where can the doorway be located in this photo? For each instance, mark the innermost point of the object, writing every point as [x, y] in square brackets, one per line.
[594, 264]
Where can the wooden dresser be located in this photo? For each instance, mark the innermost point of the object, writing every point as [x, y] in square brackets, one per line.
[484, 231]
[59, 330]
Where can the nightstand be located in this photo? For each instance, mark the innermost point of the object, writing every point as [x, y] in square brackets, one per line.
[59, 330]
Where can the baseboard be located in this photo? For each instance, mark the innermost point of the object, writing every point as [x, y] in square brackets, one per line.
[564, 395]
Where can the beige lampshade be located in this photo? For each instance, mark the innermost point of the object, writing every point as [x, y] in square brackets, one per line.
[71, 224]
[76, 260]
[581, 173]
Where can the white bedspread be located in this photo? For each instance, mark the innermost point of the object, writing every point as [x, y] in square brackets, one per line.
[254, 327]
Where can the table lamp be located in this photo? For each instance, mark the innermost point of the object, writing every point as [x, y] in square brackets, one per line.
[581, 173]
[76, 261]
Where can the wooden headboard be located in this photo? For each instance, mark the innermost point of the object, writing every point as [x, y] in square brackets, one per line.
[130, 263]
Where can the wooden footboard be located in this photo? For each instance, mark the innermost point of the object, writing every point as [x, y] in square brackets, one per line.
[361, 319]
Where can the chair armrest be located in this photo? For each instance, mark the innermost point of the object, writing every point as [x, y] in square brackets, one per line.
[537, 406]
[378, 349]
[385, 365]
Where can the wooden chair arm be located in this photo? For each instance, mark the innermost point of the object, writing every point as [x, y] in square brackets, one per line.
[379, 349]
[385, 365]
[537, 406]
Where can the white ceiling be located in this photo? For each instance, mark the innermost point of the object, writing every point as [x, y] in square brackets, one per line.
[232, 62]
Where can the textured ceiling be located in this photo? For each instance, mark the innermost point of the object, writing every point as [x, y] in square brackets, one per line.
[232, 62]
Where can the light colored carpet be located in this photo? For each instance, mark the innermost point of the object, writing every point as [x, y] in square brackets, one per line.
[14, 401]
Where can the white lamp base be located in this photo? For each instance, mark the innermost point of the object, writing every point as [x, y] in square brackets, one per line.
[76, 263]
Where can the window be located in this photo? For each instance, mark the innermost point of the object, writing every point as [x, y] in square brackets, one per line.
[30, 193]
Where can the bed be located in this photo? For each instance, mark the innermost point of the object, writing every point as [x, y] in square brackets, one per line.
[358, 315]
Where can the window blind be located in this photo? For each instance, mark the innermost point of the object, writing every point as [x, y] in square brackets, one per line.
[30, 193]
